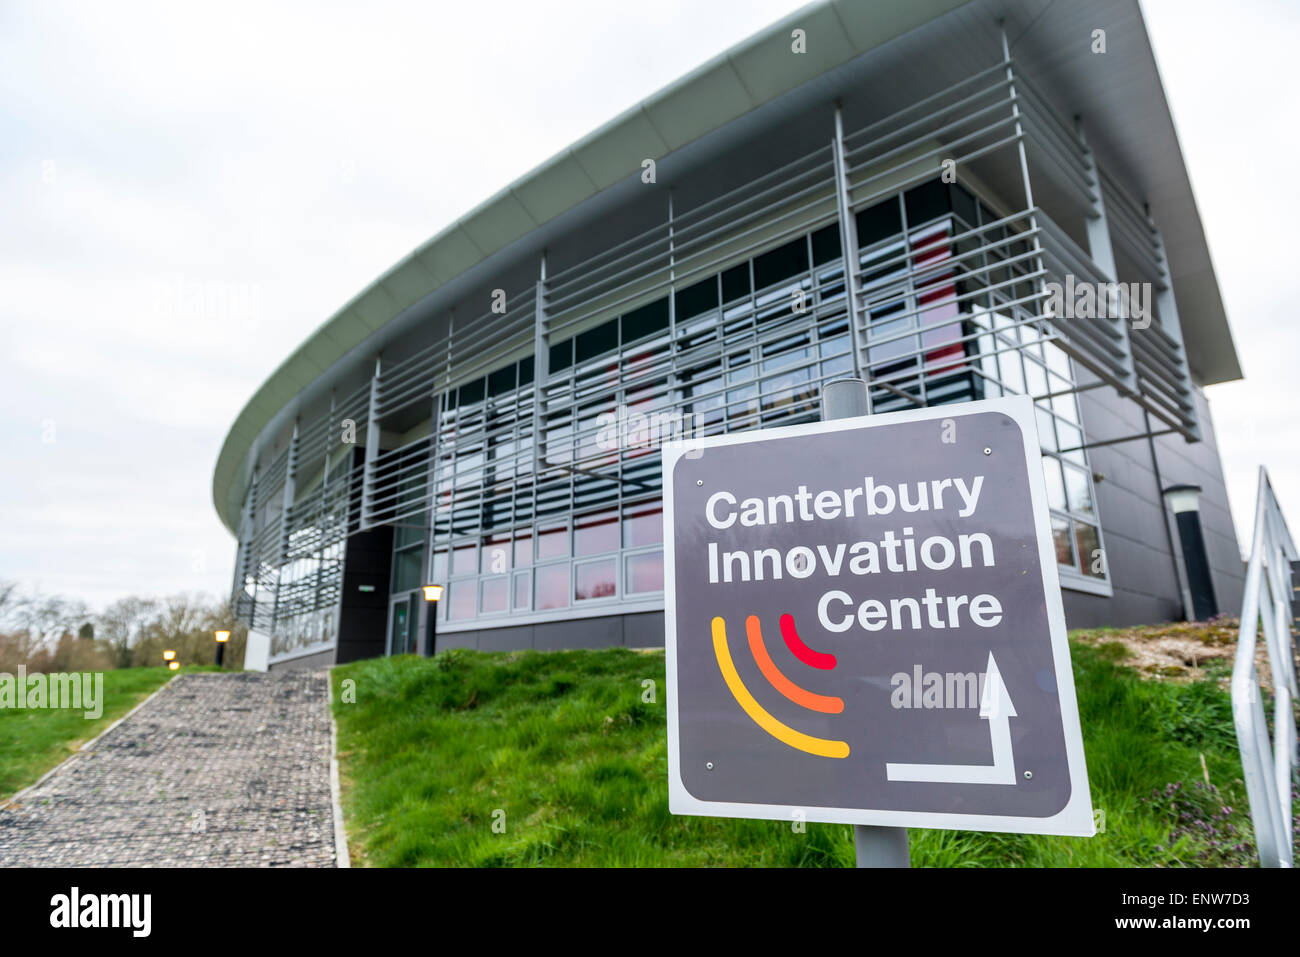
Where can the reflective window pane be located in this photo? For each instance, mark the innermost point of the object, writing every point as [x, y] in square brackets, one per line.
[1061, 540]
[1077, 490]
[406, 570]
[523, 589]
[1055, 487]
[644, 573]
[524, 548]
[643, 525]
[495, 557]
[460, 600]
[594, 534]
[595, 580]
[552, 586]
[553, 542]
[1086, 538]
[496, 594]
[463, 559]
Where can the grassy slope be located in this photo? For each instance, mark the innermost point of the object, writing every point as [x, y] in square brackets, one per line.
[34, 740]
[564, 745]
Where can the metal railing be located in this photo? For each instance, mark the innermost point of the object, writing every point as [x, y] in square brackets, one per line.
[1267, 766]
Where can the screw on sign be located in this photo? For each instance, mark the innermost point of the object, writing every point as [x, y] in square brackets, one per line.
[864, 625]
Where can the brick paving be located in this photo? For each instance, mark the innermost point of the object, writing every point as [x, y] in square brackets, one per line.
[216, 770]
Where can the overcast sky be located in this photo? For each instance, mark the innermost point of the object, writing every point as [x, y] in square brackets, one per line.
[278, 157]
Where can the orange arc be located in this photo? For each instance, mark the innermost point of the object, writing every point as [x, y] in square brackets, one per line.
[796, 739]
[800, 696]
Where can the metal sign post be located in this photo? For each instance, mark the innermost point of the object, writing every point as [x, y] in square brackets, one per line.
[873, 846]
[864, 626]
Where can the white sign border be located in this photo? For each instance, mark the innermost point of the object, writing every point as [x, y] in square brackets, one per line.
[1075, 819]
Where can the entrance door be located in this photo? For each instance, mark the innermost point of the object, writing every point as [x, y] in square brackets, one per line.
[402, 630]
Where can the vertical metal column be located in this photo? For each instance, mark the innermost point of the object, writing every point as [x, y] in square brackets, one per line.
[246, 543]
[372, 449]
[873, 846]
[1099, 245]
[541, 372]
[1167, 310]
[1102, 252]
[430, 608]
[675, 398]
[286, 504]
[848, 245]
[323, 515]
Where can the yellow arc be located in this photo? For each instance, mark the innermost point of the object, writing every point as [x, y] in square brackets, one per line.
[824, 747]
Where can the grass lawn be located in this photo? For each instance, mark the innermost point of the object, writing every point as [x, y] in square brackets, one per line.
[33, 740]
[561, 752]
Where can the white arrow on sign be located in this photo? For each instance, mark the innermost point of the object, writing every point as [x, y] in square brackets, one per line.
[997, 709]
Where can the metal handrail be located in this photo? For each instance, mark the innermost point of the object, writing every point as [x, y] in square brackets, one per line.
[1267, 766]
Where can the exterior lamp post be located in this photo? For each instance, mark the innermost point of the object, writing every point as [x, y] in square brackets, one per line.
[169, 655]
[432, 595]
[174, 665]
[222, 638]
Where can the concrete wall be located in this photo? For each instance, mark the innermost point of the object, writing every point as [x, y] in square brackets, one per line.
[1144, 568]
[322, 659]
[642, 630]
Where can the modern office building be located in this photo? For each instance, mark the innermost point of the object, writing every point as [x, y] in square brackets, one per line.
[921, 193]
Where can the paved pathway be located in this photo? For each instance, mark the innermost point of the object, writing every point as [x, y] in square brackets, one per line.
[216, 770]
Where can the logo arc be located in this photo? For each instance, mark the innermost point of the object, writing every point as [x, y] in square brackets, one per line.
[822, 747]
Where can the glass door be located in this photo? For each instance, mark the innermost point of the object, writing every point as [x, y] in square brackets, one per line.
[402, 628]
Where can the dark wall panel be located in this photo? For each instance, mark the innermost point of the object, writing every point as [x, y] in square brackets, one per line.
[363, 617]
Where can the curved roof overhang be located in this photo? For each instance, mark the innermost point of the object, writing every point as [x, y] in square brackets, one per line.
[745, 78]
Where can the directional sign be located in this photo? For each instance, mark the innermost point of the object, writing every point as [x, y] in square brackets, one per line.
[864, 625]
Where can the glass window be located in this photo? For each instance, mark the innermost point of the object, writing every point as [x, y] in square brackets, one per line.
[471, 392]
[645, 572]
[781, 263]
[1077, 490]
[595, 580]
[643, 524]
[1055, 486]
[438, 567]
[495, 556]
[826, 244]
[647, 320]
[1089, 544]
[552, 586]
[697, 299]
[463, 559]
[553, 542]
[561, 355]
[460, 599]
[406, 570]
[524, 548]
[496, 594]
[1061, 539]
[735, 282]
[598, 341]
[1046, 429]
[879, 222]
[594, 534]
[523, 589]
